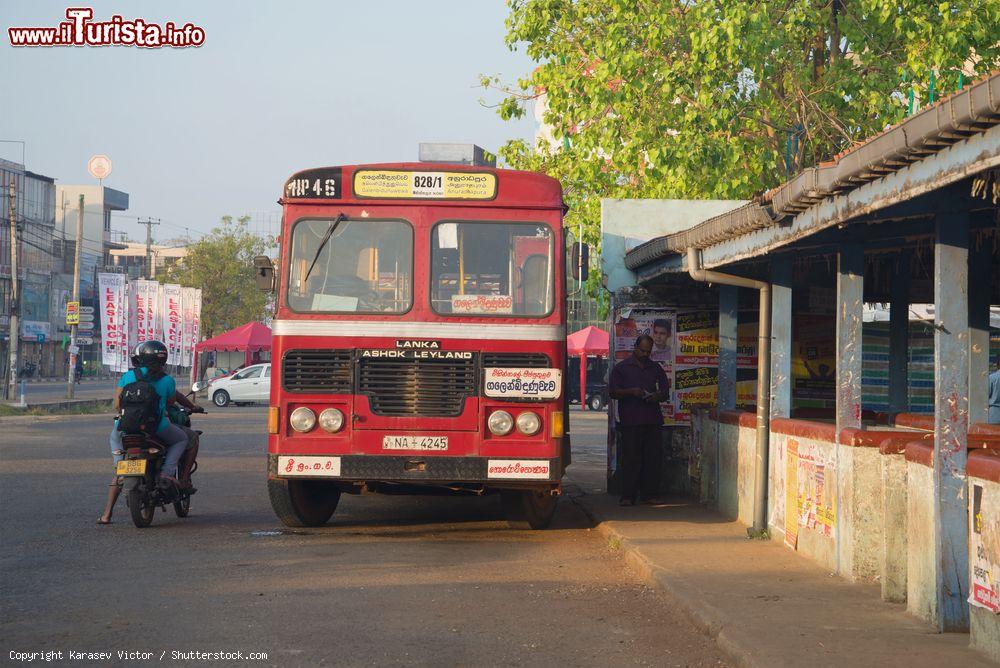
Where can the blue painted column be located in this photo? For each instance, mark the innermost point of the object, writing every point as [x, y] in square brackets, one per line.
[951, 419]
[781, 336]
[899, 334]
[980, 282]
[850, 309]
[728, 297]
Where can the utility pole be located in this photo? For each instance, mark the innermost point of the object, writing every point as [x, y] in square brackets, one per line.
[14, 337]
[149, 245]
[73, 348]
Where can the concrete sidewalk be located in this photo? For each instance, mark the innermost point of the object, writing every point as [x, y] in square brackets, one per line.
[765, 605]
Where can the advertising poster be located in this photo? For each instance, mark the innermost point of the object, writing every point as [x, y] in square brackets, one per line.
[696, 362]
[114, 331]
[792, 494]
[144, 294]
[814, 361]
[173, 322]
[984, 548]
[816, 503]
[660, 326]
[187, 338]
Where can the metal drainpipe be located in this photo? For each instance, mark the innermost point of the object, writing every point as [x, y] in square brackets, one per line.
[763, 376]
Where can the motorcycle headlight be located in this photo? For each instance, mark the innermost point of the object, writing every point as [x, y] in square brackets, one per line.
[500, 423]
[302, 419]
[331, 420]
[528, 423]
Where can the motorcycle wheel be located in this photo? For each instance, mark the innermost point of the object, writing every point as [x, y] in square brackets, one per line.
[142, 513]
[182, 506]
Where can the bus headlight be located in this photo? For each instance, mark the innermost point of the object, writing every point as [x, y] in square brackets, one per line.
[302, 419]
[500, 423]
[331, 420]
[528, 423]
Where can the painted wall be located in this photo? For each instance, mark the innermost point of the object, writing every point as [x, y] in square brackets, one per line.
[921, 595]
[627, 223]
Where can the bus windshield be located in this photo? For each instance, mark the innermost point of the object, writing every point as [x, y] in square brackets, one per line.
[366, 266]
[495, 269]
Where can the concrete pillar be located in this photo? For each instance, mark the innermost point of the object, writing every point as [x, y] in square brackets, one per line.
[850, 307]
[781, 337]
[728, 298]
[899, 335]
[980, 283]
[951, 419]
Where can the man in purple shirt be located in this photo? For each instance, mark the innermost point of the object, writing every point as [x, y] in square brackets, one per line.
[639, 385]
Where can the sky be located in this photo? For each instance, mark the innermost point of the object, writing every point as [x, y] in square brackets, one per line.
[198, 133]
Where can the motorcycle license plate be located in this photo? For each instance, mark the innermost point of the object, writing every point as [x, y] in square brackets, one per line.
[414, 442]
[132, 467]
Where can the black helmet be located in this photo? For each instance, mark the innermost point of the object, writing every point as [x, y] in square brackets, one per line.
[150, 354]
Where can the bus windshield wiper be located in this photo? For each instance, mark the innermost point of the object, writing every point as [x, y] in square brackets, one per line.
[322, 244]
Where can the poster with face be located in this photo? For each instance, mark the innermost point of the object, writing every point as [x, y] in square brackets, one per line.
[660, 326]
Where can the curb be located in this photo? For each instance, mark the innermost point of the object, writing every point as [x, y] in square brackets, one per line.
[704, 617]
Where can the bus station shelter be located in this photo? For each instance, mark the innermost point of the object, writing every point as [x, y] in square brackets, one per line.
[869, 449]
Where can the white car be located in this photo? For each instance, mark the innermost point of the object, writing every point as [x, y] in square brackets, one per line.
[251, 384]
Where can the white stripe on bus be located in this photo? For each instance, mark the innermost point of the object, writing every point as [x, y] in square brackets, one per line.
[427, 330]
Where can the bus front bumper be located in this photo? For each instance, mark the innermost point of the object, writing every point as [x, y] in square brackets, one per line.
[491, 470]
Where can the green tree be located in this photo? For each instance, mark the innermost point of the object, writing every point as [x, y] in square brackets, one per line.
[726, 98]
[221, 264]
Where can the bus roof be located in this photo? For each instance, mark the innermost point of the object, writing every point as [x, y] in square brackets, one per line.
[423, 183]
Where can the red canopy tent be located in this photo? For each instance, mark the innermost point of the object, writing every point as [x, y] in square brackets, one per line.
[588, 341]
[250, 338]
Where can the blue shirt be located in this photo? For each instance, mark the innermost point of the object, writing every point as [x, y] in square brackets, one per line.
[165, 387]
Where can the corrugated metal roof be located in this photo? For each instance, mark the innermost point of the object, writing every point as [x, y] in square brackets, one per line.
[964, 114]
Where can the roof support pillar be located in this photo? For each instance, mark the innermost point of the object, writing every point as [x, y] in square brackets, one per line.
[850, 307]
[951, 419]
[728, 298]
[899, 334]
[980, 282]
[850, 312]
[781, 336]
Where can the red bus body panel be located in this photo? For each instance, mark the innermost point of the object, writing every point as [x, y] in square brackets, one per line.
[521, 197]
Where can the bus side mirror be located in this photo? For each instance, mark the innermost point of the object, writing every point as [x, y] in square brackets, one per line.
[580, 261]
[264, 273]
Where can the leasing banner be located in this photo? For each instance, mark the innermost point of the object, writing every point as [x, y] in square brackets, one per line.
[114, 329]
[173, 325]
[144, 308]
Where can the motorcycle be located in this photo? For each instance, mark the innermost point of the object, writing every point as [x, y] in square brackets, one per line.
[142, 458]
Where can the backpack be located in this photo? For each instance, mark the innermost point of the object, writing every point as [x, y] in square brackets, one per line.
[140, 406]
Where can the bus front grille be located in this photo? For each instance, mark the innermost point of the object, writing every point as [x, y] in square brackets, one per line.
[317, 371]
[417, 386]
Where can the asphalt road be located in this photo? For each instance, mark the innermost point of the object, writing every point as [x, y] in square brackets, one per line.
[390, 581]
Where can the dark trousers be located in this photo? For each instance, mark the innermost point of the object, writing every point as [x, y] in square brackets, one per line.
[640, 461]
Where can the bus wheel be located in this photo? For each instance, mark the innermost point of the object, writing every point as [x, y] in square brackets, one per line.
[528, 508]
[303, 503]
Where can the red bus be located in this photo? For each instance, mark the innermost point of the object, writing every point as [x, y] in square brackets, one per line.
[419, 338]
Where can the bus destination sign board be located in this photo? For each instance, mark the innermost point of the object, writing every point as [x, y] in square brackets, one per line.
[404, 184]
[325, 183]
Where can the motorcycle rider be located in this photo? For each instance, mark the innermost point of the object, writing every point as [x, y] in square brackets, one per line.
[149, 358]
